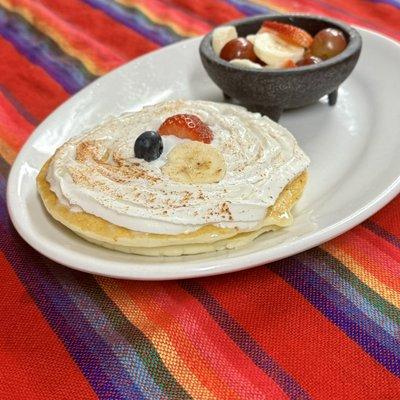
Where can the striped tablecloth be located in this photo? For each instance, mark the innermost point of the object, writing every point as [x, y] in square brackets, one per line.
[320, 325]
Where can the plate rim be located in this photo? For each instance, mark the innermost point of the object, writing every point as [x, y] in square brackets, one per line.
[237, 263]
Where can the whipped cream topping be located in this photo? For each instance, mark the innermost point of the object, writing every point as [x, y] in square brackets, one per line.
[97, 172]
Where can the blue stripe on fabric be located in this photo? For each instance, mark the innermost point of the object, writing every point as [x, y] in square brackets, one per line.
[339, 311]
[40, 50]
[118, 344]
[102, 369]
[339, 284]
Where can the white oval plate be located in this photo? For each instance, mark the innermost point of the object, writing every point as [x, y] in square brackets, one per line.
[354, 149]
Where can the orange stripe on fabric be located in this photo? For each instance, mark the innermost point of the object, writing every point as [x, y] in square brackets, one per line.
[30, 84]
[360, 271]
[95, 57]
[216, 347]
[6, 152]
[377, 255]
[7, 147]
[304, 342]
[124, 42]
[159, 338]
[35, 362]
[160, 13]
[144, 296]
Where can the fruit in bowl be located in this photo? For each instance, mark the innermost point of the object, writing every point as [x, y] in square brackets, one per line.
[297, 60]
[277, 45]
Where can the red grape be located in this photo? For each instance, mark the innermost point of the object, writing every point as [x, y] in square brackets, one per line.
[309, 61]
[328, 43]
[239, 48]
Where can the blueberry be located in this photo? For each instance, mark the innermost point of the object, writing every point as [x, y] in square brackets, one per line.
[148, 146]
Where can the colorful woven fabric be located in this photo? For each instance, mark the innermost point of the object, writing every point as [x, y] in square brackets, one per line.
[320, 325]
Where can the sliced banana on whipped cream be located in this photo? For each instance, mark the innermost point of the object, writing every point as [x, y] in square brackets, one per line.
[195, 162]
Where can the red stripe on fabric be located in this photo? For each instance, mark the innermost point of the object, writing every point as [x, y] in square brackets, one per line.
[322, 359]
[143, 297]
[375, 12]
[38, 365]
[214, 11]
[382, 249]
[325, 8]
[388, 218]
[14, 128]
[169, 14]
[30, 84]
[68, 35]
[374, 253]
[222, 354]
[101, 28]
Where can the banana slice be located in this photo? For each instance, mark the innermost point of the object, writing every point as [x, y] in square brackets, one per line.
[274, 51]
[245, 63]
[251, 38]
[221, 36]
[195, 162]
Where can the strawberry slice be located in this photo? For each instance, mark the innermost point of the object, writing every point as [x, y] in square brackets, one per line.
[289, 33]
[186, 126]
[289, 64]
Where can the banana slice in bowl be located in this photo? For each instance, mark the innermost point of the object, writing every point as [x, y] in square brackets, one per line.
[221, 36]
[274, 51]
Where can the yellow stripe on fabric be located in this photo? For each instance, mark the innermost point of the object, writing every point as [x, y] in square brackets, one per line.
[159, 340]
[366, 277]
[156, 19]
[62, 42]
[271, 5]
[151, 299]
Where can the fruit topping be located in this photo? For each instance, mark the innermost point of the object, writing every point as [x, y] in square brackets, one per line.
[309, 61]
[148, 146]
[251, 38]
[289, 33]
[277, 45]
[274, 51]
[246, 63]
[239, 48]
[221, 36]
[194, 162]
[328, 43]
[289, 64]
[187, 126]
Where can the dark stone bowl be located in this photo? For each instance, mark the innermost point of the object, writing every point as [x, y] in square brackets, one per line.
[270, 91]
